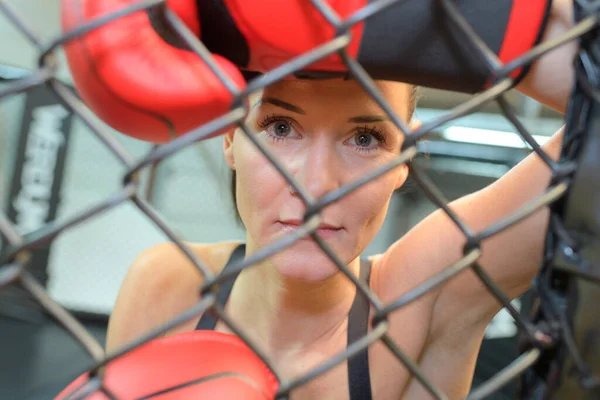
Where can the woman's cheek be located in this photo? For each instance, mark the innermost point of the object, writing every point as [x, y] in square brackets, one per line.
[264, 182]
[368, 205]
[259, 183]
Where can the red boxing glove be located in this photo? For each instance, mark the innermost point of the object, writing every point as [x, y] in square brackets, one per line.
[412, 41]
[199, 365]
[134, 80]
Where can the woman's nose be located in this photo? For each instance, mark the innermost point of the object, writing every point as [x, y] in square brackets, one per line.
[318, 171]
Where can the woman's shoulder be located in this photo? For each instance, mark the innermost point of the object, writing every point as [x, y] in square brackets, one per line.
[164, 268]
[161, 283]
[169, 259]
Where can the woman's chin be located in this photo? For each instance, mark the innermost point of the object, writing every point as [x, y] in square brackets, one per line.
[311, 265]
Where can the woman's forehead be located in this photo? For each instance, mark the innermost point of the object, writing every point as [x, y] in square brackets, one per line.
[342, 93]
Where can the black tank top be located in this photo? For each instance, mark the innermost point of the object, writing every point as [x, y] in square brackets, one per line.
[358, 324]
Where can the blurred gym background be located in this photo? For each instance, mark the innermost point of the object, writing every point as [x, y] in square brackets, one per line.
[52, 167]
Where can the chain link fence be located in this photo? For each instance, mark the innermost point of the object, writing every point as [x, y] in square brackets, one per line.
[556, 335]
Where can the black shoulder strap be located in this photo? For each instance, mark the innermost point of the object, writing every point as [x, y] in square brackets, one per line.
[208, 320]
[359, 379]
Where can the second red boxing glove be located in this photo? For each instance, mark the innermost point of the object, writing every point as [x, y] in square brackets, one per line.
[198, 365]
[413, 41]
[134, 80]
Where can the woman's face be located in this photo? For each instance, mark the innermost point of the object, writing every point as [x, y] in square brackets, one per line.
[326, 134]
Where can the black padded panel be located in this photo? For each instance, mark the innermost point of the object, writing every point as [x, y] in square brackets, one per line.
[410, 39]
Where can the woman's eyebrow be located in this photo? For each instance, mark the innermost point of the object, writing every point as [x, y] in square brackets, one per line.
[365, 119]
[361, 119]
[280, 103]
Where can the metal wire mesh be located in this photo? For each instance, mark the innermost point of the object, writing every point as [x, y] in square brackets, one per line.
[550, 332]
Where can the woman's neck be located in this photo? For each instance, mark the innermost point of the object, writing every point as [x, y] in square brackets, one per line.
[288, 315]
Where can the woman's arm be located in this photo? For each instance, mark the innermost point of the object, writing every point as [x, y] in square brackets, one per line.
[551, 77]
[512, 257]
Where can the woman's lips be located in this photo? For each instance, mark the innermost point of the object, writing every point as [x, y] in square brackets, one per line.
[324, 231]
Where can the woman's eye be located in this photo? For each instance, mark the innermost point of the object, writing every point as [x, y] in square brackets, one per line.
[281, 128]
[368, 140]
[278, 129]
[363, 139]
